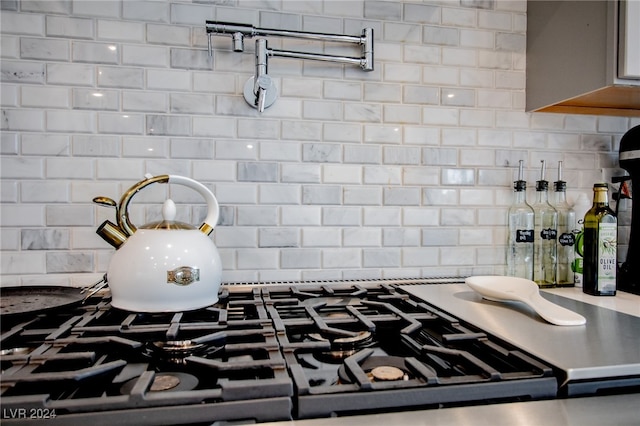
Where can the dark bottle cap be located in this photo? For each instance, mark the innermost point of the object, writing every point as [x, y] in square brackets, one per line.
[520, 185]
[600, 185]
[542, 185]
[560, 186]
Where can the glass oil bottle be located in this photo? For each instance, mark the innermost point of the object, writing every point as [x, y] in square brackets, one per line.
[600, 245]
[545, 234]
[566, 238]
[520, 235]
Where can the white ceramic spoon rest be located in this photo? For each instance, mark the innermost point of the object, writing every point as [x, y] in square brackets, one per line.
[501, 289]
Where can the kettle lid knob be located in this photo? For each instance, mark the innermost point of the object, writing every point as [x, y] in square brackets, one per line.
[169, 210]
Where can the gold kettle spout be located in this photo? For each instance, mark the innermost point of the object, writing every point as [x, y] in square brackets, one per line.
[112, 234]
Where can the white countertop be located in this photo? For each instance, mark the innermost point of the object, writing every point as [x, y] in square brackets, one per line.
[622, 302]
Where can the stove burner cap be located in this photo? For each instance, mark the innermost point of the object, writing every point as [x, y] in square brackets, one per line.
[14, 351]
[387, 373]
[177, 346]
[378, 368]
[164, 382]
[349, 341]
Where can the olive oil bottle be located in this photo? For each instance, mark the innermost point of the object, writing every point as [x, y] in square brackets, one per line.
[600, 245]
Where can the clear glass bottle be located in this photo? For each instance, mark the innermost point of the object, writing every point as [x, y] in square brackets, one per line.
[566, 238]
[600, 245]
[545, 234]
[520, 236]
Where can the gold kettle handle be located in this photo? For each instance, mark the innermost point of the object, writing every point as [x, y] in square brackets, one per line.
[213, 208]
[123, 214]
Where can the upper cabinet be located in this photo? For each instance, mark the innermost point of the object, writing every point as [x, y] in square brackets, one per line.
[583, 57]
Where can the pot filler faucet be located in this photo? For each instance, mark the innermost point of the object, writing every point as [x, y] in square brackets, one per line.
[259, 91]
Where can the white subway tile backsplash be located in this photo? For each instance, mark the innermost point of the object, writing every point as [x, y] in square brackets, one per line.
[95, 146]
[457, 256]
[236, 237]
[301, 131]
[401, 155]
[121, 77]
[362, 237]
[18, 263]
[434, 35]
[63, 26]
[43, 144]
[278, 237]
[69, 215]
[342, 258]
[10, 47]
[406, 170]
[420, 216]
[385, 258]
[301, 215]
[22, 23]
[343, 174]
[321, 237]
[69, 168]
[383, 134]
[22, 120]
[459, 17]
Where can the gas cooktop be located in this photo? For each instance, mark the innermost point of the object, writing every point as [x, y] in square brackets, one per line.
[262, 353]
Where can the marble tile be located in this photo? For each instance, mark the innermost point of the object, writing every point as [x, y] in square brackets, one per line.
[362, 196]
[44, 239]
[420, 256]
[301, 173]
[120, 77]
[21, 120]
[400, 237]
[296, 258]
[440, 237]
[168, 125]
[20, 263]
[145, 11]
[104, 100]
[322, 195]
[382, 257]
[361, 154]
[44, 49]
[71, 74]
[321, 237]
[342, 258]
[341, 216]
[279, 237]
[257, 172]
[21, 23]
[301, 215]
[387, 216]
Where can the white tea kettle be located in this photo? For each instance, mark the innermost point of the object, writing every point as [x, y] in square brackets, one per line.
[164, 266]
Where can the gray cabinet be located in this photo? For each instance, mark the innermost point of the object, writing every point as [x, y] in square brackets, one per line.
[583, 57]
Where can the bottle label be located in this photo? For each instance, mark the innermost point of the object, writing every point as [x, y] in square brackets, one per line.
[607, 259]
[548, 234]
[524, 235]
[567, 239]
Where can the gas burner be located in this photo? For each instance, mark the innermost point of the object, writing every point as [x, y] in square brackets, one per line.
[332, 301]
[379, 369]
[15, 351]
[174, 351]
[164, 382]
[342, 347]
[178, 347]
